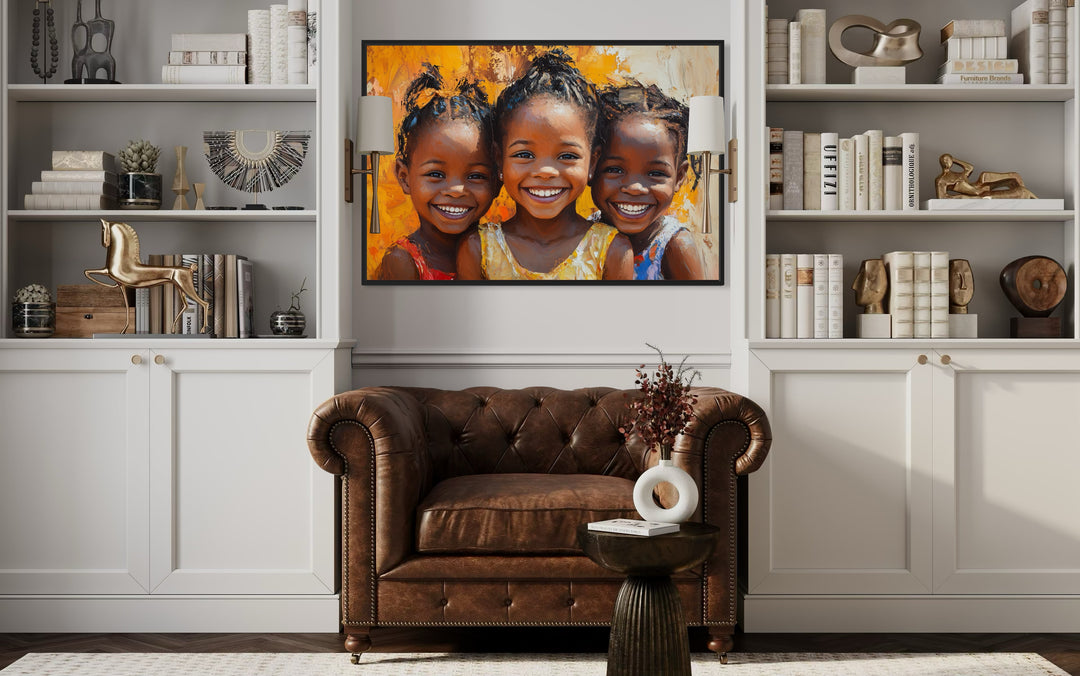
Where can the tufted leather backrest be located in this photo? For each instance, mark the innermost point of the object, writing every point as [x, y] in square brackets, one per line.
[484, 430]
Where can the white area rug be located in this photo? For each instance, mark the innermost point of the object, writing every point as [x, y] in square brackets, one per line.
[458, 664]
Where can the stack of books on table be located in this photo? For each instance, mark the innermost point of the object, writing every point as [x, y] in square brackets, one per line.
[804, 295]
[206, 58]
[78, 179]
[824, 171]
[976, 53]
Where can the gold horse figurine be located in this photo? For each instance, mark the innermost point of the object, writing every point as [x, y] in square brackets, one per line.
[122, 266]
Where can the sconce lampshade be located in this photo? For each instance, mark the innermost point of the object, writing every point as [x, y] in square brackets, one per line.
[706, 132]
[375, 125]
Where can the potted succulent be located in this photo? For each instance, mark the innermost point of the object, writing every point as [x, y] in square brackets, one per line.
[290, 322]
[140, 185]
[33, 313]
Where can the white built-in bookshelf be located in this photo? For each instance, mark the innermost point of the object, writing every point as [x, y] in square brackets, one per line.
[166, 471]
[894, 497]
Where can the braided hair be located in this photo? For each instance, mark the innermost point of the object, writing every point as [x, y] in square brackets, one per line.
[468, 101]
[552, 73]
[633, 98]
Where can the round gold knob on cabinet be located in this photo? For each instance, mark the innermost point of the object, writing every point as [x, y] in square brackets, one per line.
[922, 359]
[159, 359]
[136, 359]
[946, 359]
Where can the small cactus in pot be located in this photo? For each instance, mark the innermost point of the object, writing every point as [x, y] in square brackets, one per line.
[140, 184]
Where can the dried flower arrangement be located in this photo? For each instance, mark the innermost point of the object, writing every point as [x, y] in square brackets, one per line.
[32, 293]
[667, 407]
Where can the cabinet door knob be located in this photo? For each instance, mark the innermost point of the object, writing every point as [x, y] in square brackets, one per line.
[159, 359]
[946, 359]
[922, 359]
[136, 359]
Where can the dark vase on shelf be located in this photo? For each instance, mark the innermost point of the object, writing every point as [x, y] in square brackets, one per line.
[140, 190]
[287, 323]
[33, 320]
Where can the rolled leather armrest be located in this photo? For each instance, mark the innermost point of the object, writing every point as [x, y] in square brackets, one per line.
[748, 439]
[375, 437]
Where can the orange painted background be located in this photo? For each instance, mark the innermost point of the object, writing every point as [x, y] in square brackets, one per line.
[681, 71]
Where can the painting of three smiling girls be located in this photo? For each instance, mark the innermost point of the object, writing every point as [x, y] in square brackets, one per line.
[517, 166]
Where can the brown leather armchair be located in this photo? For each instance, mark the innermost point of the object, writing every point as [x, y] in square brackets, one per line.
[459, 508]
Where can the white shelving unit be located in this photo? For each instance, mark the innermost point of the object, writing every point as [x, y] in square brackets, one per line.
[885, 504]
[179, 476]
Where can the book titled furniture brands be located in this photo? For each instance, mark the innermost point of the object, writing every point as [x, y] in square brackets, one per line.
[633, 527]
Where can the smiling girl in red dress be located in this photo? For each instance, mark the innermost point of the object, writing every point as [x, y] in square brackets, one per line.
[642, 163]
[546, 124]
[445, 165]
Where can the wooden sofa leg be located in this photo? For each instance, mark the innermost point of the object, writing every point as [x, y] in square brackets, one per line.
[357, 644]
[721, 642]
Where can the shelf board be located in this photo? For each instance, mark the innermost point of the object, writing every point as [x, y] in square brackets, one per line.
[914, 344]
[149, 215]
[919, 92]
[161, 92]
[921, 215]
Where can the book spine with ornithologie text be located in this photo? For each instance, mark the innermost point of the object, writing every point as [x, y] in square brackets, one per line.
[788, 308]
[830, 166]
[910, 147]
[804, 295]
[772, 295]
[821, 295]
[898, 265]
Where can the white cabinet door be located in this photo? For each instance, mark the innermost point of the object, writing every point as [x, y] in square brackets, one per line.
[1006, 464]
[842, 503]
[239, 507]
[73, 493]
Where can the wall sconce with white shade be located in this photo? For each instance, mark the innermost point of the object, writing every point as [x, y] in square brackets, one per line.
[374, 137]
[705, 137]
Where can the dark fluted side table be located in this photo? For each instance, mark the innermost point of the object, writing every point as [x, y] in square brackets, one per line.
[648, 630]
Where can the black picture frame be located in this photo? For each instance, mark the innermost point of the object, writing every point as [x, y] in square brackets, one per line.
[387, 66]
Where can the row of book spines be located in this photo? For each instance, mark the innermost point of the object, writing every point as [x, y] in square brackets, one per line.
[1041, 35]
[918, 293]
[224, 281]
[804, 295]
[820, 171]
[795, 48]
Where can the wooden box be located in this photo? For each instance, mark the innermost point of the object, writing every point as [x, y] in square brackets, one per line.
[85, 309]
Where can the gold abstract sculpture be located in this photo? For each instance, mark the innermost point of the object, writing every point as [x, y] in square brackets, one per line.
[894, 45]
[870, 286]
[961, 286]
[122, 266]
[993, 184]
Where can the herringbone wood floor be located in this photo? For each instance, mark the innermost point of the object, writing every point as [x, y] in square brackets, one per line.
[1061, 649]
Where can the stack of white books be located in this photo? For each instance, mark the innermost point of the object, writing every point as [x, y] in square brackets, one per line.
[795, 48]
[823, 171]
[279, 43]
[206, 58]
[975, 53]
[918, 296]
[78, 179]
[804, 295]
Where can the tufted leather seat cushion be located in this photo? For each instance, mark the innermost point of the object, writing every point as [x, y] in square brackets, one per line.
[518, 513]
